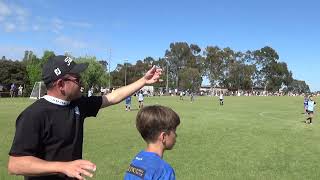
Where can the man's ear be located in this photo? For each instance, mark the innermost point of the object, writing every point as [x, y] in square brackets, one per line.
[61, 85]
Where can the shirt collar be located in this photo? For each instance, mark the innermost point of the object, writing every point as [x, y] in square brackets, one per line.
[56, 101]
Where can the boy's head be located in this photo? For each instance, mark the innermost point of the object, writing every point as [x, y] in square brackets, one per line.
[158, 123]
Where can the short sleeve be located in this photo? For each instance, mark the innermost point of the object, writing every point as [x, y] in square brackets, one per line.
[167, 173]
[89, 106]
[27, 135]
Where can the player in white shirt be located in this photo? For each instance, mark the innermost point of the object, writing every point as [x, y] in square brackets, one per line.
[140, 99]
[221, 99]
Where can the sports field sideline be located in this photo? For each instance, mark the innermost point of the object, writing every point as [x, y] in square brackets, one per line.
[247, 138]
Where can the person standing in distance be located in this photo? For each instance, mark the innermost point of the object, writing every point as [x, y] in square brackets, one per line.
[48, 139]
[310, 109]
[140, 99]
[221, 99]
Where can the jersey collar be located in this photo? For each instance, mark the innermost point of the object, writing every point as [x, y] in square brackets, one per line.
[56, 101]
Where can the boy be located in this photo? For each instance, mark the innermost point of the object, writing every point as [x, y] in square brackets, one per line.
[157, 126]
[192, 97]
[221, 99]
[310, 109]
[128, 103]
[140, 99]
[181, 95]
[305, 104]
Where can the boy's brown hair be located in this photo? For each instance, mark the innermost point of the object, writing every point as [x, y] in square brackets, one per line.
[152, 120]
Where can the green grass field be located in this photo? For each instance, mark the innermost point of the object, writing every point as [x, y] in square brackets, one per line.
[258, 138]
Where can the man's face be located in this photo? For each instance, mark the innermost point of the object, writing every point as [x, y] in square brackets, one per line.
[72, 86]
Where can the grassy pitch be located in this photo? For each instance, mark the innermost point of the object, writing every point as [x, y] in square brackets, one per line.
[247, 138]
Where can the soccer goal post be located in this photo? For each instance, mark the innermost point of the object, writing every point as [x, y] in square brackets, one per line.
[39, 89]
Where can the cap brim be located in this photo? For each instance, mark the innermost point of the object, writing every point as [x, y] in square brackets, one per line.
[79, 68]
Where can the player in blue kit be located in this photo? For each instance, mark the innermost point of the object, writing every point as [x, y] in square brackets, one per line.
[310, 109]
[157, 126]
[305, 104]
[128, 103]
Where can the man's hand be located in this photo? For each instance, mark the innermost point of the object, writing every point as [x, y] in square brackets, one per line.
[78, 169]
[153, 75]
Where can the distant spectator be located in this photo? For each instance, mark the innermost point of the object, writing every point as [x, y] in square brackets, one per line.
[90, 92]
[12, 89]
[20, 90]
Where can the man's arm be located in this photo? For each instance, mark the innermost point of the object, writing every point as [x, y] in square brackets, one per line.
[32, 166]
[118, 95]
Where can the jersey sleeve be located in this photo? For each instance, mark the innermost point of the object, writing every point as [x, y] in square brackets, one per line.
[167, 173]
[90, 106]
[27, 137]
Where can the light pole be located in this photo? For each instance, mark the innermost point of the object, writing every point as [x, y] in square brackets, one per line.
[167, 68]
[125, 72]
[109, 64]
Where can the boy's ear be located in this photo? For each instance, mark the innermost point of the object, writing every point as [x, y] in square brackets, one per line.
[162, 137]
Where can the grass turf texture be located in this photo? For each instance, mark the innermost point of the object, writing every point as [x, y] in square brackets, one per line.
[247, 138]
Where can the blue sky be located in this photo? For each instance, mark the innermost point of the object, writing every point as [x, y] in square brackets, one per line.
[136, 29]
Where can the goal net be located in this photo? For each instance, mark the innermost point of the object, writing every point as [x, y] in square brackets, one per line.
[39, 90]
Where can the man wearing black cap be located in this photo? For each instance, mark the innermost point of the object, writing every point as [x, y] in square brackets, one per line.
[49, 133]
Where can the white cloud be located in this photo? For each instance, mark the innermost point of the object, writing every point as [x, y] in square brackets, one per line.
[13, 17]
[57, 25]
[35, 27]
[17, 18]
[13, 52]
[20, 11]
[9, 27]
[4, 9]
[67, 42]
[81, 24]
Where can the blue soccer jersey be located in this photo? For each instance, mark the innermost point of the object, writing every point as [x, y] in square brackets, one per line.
[128, 100]
[149, 165]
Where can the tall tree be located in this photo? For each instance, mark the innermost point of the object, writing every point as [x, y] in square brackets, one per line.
[95, 75]
[297, 86]
[177, 57]
[12, 72]
[263, 59]
[191, 79]
[214, 65]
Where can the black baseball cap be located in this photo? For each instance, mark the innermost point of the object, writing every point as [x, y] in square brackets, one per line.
[58, 66]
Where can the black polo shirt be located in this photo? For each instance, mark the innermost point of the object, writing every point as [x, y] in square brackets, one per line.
[53, 132]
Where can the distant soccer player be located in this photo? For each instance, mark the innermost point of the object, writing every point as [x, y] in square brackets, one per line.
[181, 95]
[221, 99]
[305, 104]
[191, 97]
[310, 110]
[128, 103]
[140, 99]
[157, 126]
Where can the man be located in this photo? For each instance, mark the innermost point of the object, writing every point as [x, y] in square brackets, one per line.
[49, 133]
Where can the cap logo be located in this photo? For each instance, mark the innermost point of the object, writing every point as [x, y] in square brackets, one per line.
[68, 60]
[57, 71]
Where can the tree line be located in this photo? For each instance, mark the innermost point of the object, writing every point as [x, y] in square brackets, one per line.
[184, 67]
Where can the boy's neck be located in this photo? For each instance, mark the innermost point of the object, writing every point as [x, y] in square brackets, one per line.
[155, 148]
